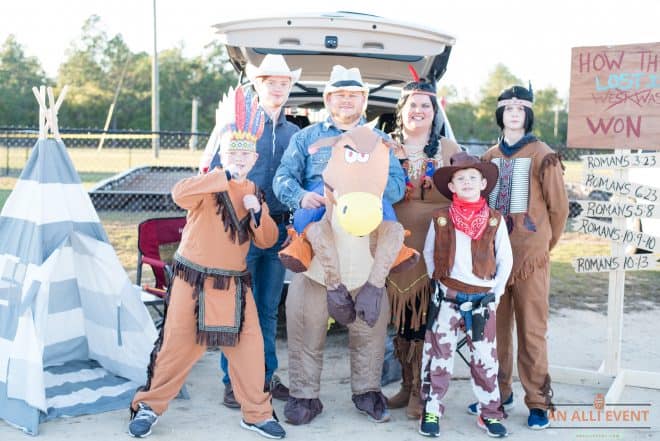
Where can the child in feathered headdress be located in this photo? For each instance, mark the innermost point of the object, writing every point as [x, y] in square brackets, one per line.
[210, 302]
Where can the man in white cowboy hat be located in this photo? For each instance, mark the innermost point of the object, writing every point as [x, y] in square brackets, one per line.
[273, 81]
[298, 184]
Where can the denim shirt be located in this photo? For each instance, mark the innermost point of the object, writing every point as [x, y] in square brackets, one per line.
[270, 147]
[299, 171]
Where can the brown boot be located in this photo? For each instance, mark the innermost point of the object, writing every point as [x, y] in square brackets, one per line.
[407, 257]
[415, 405]
[297, 255]
[400, 399]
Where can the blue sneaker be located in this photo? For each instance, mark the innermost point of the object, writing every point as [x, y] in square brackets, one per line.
[429, 424]
[508, 404]
[269, 428]
[538, 419]
[142, 422]
[492, 426]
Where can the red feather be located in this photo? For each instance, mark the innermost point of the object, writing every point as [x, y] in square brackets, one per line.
[413, 72]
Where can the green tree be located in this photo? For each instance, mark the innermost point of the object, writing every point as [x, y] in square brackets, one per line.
[86, 72]
[476, 122]
[18, 74]
[550, 116]
[499, 79]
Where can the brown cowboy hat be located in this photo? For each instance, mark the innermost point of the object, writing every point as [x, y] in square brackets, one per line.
[461, 161]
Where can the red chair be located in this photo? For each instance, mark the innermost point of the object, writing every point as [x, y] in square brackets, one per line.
[153, 234]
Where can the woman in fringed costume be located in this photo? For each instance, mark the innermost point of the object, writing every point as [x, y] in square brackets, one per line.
[422, 151]
[210, 302]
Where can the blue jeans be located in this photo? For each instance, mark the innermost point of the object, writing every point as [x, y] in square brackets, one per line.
[267, 283]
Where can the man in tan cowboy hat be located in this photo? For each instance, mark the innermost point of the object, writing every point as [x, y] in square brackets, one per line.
[273, 81]
[468, 254]
[298, 184]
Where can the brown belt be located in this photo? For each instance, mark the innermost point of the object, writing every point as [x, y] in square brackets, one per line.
[459, 286]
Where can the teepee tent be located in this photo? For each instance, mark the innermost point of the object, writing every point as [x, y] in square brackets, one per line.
[75, 337]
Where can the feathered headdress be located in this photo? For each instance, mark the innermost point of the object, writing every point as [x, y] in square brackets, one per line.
[239, 115]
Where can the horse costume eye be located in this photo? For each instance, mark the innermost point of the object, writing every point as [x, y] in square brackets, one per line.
[362, 157]
[350, 155]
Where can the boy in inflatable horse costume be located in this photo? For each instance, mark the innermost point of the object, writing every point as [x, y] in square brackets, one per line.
[354, 249]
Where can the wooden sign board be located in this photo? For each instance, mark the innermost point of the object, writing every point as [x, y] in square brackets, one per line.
[615, 97]
[613, 209]
[639, 160]
[622, 188]
[604, 264]
[620, 235]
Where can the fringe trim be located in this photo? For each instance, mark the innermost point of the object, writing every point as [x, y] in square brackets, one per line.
[548, 393]
[551, 159]
[528, 267]
[158, 344]
[237, 228]
[195, 276]
[416, 301]
[415, 351]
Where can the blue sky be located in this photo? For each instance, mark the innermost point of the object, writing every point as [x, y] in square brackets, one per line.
[532, 38]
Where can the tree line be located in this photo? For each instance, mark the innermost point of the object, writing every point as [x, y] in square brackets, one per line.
[96, 63]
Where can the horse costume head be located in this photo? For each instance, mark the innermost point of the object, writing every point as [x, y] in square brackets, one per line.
[355, 178]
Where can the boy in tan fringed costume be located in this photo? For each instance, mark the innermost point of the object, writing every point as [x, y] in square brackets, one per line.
[531, 196]
[210, 302]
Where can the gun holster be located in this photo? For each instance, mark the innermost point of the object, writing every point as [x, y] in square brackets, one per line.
[434, 304]
[475, 313]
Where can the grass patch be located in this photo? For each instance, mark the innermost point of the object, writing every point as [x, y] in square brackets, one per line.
[569, 289]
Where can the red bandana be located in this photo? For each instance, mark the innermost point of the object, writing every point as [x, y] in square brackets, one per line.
[469, 217]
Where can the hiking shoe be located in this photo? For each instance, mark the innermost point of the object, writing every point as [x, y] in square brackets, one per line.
[269, 428]
[429, 424]
[142, 421]
[537, 419]
[508, 404]
[278, 390]
[229, 399]
[492, 426]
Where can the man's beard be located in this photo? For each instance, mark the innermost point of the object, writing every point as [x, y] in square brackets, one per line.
[342, 118]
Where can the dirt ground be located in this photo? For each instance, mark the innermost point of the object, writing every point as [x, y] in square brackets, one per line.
[577, 338]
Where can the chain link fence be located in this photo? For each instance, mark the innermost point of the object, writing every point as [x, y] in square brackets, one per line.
[130, 174]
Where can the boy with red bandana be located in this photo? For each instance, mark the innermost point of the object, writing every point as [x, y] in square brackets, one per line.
[468, 254]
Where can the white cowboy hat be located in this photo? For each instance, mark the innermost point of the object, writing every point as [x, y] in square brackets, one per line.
[272, 66]
[344, 79]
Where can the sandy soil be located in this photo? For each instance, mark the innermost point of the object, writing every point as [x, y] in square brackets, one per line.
[576, 339]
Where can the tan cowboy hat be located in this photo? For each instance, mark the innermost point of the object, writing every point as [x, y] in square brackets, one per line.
[461, 161]
[344, 79]
[273, 65]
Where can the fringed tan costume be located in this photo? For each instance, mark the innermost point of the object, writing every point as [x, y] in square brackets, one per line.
[211, 300]
[531, 196]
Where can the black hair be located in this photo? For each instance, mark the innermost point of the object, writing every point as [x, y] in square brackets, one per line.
[431, 147]
[521, 93]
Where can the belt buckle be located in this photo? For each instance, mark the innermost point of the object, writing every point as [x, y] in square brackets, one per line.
[466, 306]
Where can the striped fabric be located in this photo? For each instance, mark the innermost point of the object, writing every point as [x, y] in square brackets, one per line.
[75, 337]
[511, 192]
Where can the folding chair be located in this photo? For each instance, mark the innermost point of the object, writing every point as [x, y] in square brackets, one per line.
[155, 237]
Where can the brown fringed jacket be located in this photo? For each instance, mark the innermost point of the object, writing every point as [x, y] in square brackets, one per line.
[531, 196]
[213, 248]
